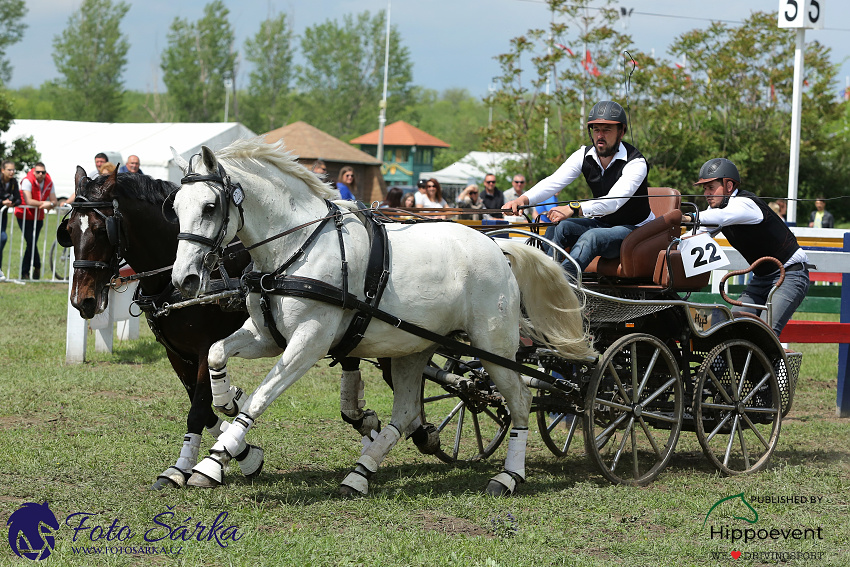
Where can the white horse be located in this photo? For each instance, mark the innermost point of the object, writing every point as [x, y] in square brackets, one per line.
[444, 277]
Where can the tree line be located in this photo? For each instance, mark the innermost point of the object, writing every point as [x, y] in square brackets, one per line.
[724, 91]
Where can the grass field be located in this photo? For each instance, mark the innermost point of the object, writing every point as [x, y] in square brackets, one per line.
[91, 438]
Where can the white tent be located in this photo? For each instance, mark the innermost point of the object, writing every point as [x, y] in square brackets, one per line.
[472, 168]
[64, 144]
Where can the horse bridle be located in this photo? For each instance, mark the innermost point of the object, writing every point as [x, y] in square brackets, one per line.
[229, 192]
[113, 233]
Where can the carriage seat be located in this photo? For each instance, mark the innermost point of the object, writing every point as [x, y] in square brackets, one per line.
[640, 250]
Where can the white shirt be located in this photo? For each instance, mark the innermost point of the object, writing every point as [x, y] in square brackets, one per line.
[740, 211]
[634, 172]
[419, 199]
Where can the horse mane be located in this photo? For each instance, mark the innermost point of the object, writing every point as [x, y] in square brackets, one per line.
[257, 149]
[136, 185]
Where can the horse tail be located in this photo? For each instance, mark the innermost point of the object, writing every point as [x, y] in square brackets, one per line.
[554, 311]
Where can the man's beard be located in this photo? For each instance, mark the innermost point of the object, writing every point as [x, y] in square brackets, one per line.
[609, 151]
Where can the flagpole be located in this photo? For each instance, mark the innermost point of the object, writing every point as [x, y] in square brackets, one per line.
[382, 117]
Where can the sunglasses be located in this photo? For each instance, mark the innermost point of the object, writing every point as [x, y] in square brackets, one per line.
[491, 181]
[40, 172]
[431, 186]
[473, 192]
[519, 182]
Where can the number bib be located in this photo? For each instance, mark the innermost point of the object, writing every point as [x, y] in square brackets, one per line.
[701, 254]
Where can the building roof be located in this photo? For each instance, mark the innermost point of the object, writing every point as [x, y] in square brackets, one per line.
[64, 144]
[401, 134]
[308, 142]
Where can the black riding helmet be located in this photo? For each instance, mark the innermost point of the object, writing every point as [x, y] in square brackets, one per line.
[607, 112]
[718, 168]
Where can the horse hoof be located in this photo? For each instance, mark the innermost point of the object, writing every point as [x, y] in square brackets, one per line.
[503, 484]
[354, 485]
[172, 477]
[199, 480]
[162, 483]
[251, 461]
[348, 492]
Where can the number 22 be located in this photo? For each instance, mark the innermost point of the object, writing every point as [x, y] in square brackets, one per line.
[712, 256]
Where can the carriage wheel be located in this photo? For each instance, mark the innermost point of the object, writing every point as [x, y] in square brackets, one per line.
[555, 422]
[737, 409]
[472, 422]
[633, 410]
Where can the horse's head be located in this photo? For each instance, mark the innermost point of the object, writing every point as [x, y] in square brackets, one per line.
[93, 230]
[208, 208]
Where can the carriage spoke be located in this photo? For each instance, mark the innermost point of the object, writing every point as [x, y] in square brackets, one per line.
[732, 376]
[744, 452]
[720, 388]
[606, 433]
[650, 367]
[449, 417]
[719, 426]
[499, 421]
[619, 453]
[660, 416]
[437, 398]
[635, 466]
[744, 374]
[757, 387]
[649, 437]
[459, 431]
[477, 427]
[555, 422]
[731, 442]
[755, 431]
[634, 372]
[659, 391]
[614, 405]
[616, 377]
[570, 433]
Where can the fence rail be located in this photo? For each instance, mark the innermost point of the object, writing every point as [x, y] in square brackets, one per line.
[52, 259]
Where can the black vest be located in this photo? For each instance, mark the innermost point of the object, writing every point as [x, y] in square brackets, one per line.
[636, 209]
[770, 237]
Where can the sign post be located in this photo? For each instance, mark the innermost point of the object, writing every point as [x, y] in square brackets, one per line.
[799, 15]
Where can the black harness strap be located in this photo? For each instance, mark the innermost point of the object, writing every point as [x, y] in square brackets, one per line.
[308, 288]
[377, 275]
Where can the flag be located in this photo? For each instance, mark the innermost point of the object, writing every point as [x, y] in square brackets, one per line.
[565, 48]
[589, 65]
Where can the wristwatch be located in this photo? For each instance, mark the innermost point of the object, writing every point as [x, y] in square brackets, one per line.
[576, 207]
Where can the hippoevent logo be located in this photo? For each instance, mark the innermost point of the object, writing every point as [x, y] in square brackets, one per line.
[734, 521]
[32, 529]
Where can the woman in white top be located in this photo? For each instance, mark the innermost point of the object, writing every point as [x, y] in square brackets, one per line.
[434, 197]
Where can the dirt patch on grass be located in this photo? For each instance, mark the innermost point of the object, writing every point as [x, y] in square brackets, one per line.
[435, 521]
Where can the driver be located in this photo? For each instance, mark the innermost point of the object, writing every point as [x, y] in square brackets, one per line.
[617, 175]
[755, 231]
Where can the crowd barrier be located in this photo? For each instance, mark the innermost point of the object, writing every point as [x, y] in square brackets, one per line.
[54, 259]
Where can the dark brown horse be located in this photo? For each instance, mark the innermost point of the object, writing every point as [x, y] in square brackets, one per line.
[120, 216]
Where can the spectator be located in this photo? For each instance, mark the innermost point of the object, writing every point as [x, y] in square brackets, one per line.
[421, 193]
[755, 232]
[346, 185]
[107, 168]
[409, 200]
[434, 197]
[319, 168]
[821, 218]
[617, 175]
[10, 196]
[393, 199]
[99, 160]
[783, 208]
[132, 166]
[544, 207]
[492, 197]
[517, 188]
[774, 206]
[36, 191]
[468, 199]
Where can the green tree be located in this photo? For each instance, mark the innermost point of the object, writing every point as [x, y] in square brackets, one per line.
[21, 150]
[342, 85]
[578, 60]
[91, 56]
[12, 27]
[198, 58]
[454, 116]
[271, 52]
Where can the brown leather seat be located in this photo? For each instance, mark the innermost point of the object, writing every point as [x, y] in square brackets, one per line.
[680, 281]
[639, 251]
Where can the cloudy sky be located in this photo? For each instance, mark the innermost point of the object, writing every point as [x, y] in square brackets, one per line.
[452, 42]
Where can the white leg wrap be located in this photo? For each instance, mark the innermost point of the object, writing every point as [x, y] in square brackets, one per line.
[352, 394]
[515, 461]
[217, 429]
[174, 475]
[189, 452]
[232, 441]
[251, 461]
[502, 484]
[226, 398]
[379, 448]
[210, 467]
[357, 482]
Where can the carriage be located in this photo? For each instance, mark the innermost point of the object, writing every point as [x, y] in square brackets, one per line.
[667, 365]
[662, 368]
